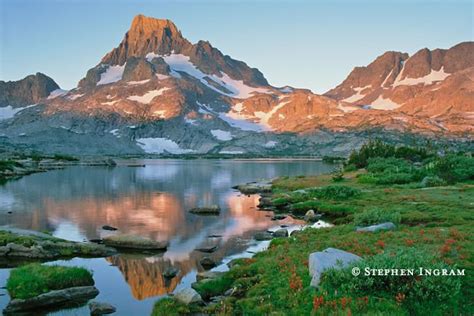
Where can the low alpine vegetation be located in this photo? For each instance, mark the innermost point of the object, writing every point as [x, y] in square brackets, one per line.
[34, 279]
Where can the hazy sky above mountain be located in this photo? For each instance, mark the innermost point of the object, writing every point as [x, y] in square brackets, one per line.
[307, 44]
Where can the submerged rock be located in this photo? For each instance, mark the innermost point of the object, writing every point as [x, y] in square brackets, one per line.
[99, 308]
[71, 295]
[375, 228]
[134, 242]
[206, 210]
[329, 258]
[260, 236]
[188, 296]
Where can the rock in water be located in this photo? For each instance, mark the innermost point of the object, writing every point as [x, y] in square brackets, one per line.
[260, 236]
[71, 295]
[281, 233]
[206, 210]
[170, 272]
[207, 249]
[99, 308]
[375, 228]
[134, 242]
[207, 263]
[329, 258]
[188, 296]
[107, 227]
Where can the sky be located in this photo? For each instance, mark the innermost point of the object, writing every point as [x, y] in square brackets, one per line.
[305, 44]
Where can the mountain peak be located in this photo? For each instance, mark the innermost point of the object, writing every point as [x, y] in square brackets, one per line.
[147, 35]
[149, 25]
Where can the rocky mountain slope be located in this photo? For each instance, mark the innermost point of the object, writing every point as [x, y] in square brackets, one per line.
[158, 93]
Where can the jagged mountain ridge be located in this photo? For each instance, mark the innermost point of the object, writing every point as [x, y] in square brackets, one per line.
[158, 93]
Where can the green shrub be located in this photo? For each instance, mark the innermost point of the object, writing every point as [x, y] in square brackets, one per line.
[395, 178]
[378, 148]
[454, 168]
[376, 216]
[350, 167]
[395, 165]
[9, 165]
[368, 178]
[213, 287]
[34, 279]
[170, 307]
[432, 181]
[420, 293]
[337, 176]
[335, 192]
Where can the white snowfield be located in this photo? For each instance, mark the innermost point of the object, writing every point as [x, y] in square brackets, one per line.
[111, 74]
[231, 152]
[147, 97]
[270, 144]
[432, 77]
[160, 145]
[384, 104]
[73, 97]
[8, 111]
[221, 135]
[181, 63]
[57, 93]
[134, 83]
[358, 95]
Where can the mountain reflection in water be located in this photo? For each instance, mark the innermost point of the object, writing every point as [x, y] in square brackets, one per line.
[153, 202]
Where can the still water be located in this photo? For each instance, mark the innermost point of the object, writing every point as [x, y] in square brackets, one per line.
[151, 201]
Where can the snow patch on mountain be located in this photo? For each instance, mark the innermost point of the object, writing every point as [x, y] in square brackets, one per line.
[160, 145]
[160, 113]
[231, 152]
[134, 83]
[111, 74]
[270, 144]
[57, 93]
[382, 103]
[8, 111]
[433, 76]
[221, 135]
[181, 63]
[358, 95]
[147, 97]
[73, 97]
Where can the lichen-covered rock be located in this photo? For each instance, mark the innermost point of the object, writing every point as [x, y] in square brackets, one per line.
[188, 296]
[281, 233]
[329, 258]
[260, 236]
[51, 299]
[376, 228]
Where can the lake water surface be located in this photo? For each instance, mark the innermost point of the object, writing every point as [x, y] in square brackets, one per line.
[151, 201]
